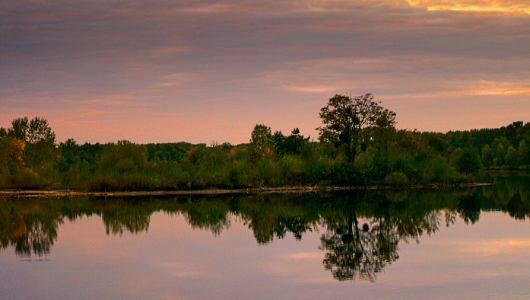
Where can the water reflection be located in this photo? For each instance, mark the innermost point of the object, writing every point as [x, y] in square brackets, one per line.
[361, 231]
[358, 253]
[509, 190]
[29, 233]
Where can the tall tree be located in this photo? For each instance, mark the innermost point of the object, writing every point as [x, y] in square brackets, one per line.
[39, 138]
[487, 156]
[261, 142]
[512, 158]
[345, 117]
[19, 128]
[524, 153]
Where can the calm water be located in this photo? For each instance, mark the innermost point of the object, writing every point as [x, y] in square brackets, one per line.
[463, 243]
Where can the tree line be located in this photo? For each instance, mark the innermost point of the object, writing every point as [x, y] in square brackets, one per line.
[358, 145]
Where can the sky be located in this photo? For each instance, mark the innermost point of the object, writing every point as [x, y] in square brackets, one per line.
[204, 71]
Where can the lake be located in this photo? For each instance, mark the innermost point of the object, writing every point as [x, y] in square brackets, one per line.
[461, 243]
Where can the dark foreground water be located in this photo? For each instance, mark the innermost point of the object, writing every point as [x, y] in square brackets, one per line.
[452, 244]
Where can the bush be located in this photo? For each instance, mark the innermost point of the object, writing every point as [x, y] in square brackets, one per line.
[269, 173]
[380, 167]
[396, 179]
[291, 168]
[101, 185]
[438, 170]
[346, 174]
[5, 177]
[135, 183]
[27, 179]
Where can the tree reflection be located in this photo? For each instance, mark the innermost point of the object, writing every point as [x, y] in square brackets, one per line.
[358, 253]
[469, 208]
[117, 221]
[362, 229]
[29, 234]
[208, 217]
[38, 238]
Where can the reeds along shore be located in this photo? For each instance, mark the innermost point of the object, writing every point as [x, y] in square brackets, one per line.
[402, 158]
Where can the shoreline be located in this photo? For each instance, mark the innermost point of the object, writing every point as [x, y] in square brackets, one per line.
[261, 190]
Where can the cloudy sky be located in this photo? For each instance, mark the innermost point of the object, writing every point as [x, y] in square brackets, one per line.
[203, 71]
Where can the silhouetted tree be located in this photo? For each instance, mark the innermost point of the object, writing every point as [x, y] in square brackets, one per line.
[345, 117]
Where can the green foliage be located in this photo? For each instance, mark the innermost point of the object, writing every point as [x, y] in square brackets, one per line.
[39, 138]
[500, 154]
[379, 165]
[291, 170]
[19, 128]
[130, 183]
[261, 143]
[26, 178]
[167, 152]
[123, 157]
[293, 144]
[512, 158]
[5, 177]
[270, 173]
[434, 170]
[396, 179]
[468, 161]
[523, 153]
[487, 156]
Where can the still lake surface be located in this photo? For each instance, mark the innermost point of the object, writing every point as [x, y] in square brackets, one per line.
[471, 243]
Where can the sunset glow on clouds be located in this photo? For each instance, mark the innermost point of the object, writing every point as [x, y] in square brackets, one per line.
[201, 71]
[474, 5]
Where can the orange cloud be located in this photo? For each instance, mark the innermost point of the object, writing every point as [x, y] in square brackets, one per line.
[510, 6]
[525, 243]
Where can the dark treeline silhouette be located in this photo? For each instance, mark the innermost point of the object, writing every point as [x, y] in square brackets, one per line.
[362, 229]
[358, 145]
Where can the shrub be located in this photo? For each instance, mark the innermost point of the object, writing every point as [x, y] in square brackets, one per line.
[27, 179]
[133, 183]
[440, 171]
[291, 168]
[5, 177]
[101, 184]
[380, 167]
[269, 173]
[346, 174]
[396, 179]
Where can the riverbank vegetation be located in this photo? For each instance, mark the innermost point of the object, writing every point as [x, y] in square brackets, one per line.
[358, 145]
